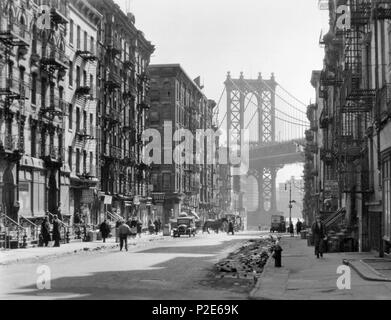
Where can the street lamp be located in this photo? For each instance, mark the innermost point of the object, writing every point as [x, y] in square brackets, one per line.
[290, 203]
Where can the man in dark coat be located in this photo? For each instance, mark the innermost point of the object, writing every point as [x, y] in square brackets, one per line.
[45, 231]
[56, 231]
[104, 230]
[156, 224]
[319, 233]
[231, 227]
[298, 226]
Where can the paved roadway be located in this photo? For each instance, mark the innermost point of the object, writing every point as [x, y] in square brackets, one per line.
[165, 269]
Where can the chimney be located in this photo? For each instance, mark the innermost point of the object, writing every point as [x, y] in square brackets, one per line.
[131, 17]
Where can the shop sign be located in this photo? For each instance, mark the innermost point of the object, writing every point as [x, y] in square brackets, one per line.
[136, 200]
[108, 199]
[331, 187]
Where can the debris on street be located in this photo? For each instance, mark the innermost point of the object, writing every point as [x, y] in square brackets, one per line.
[247, 261]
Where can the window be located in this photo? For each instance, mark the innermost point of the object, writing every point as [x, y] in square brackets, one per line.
[386, 172]
[92, 164]
[33, 141]
[84, 78]
[70, 116]
[70, 155]
[77, 161]
[34, 42]
[92, 43]
[71, 31]
[43, 92]
[166, 181]
[91, 124]
[77, 119]
[85, 41]
[78, 76]
[34, 88]
[78, 38]
[84, 161]
[85, 120]
[70, 73]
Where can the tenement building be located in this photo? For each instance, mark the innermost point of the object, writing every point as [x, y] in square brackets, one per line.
[349, 152]
[178, 103]
[73, 104]
[124, 55]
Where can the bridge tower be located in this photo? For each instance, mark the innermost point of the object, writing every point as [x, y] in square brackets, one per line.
[264, 91]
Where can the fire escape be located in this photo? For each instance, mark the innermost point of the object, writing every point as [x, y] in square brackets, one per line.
[357, 102]
[13, 36]
[54, 64]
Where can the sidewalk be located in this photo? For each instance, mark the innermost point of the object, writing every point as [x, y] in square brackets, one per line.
[31, 254]
[303, 277]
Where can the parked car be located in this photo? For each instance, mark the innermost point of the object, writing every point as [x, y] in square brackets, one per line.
[184, 226]
[278, 224]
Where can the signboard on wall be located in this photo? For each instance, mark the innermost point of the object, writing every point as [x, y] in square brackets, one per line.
[87, 196]
[108, 199]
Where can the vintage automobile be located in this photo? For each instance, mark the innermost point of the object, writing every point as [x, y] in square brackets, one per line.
[184, 226]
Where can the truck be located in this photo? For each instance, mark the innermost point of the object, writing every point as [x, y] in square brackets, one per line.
[278, 223]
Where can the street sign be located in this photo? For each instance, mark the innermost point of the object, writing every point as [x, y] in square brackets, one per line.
[136, 200]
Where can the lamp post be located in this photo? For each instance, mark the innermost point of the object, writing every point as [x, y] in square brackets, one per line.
[290, 203]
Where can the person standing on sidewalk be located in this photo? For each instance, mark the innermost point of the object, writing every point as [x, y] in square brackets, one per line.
[104, 230]
[56, 231]
[139, 227]
[298, 226]
[123, 232]
[45, 231]
[319, 233]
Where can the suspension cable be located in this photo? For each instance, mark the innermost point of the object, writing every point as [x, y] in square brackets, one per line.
[302, 124]
[292, 96]
[284, 113]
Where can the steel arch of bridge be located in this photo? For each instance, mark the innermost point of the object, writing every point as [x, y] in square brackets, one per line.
[264, 90]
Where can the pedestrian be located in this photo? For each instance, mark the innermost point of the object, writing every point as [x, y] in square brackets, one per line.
[104, 230]
[139, 227]
[231, 227]
[291, 229]
[56, 231]
[133, 227]
[58, 211]
[45, 231]
[156, 224]
[159, 224]
[319, 233]
[206, 227]
[298, 226]
[123, 232]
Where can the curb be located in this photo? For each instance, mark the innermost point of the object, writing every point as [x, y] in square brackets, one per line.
[73, 251]
[252, 295]
[60, 254]
[353, 264]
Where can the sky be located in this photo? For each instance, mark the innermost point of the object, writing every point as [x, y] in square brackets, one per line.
[211, 37]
